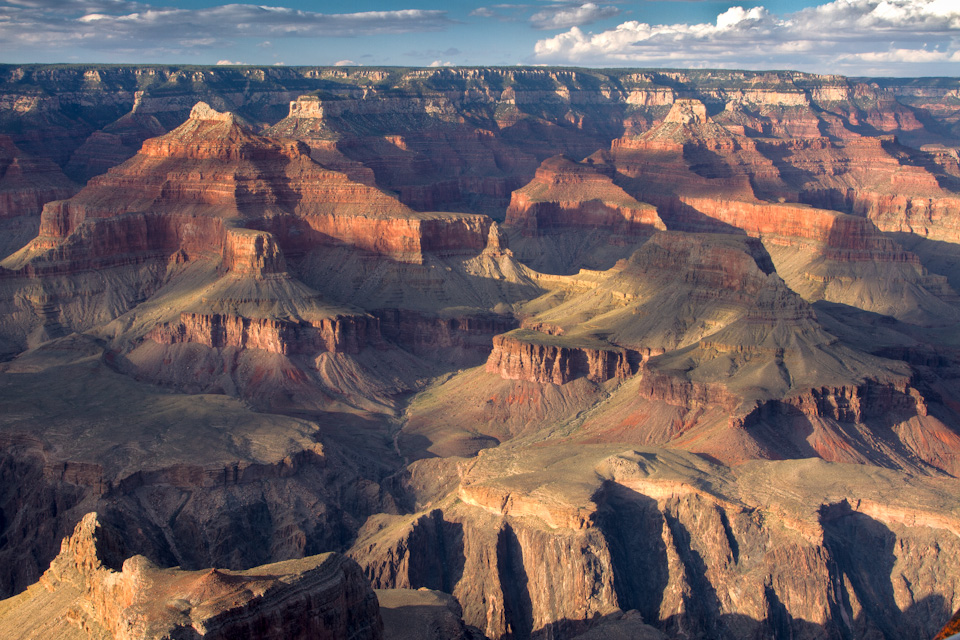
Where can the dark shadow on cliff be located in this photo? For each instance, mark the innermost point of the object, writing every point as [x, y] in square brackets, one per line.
[35, 514]
[863, 551]
[632, 524]
[517, 606]
[937, 256]
[438, 545]
[680, 216]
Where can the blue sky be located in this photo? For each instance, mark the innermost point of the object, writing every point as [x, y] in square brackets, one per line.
[853, 37]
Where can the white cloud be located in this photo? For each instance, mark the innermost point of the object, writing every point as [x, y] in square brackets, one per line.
[439, 63]
[114, 25]
[840, 36]
[345, 63]
[564, 17]
[228, 62]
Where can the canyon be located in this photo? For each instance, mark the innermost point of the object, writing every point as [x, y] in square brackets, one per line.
[506, 353]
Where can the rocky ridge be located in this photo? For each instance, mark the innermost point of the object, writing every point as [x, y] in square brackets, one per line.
[91, 591]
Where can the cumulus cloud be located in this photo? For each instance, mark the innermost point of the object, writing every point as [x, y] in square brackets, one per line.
[440, 63]
[841, 36]
[345, 63]
[221, 63]
[565, 16]
[115, 24]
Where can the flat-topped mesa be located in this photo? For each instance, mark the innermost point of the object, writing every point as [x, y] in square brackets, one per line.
[568, 194]
[90, 586]
[687, 111]
[715, 267]
[252, 253]
[529, 355]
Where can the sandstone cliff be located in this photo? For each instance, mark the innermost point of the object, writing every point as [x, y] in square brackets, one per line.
[26, 184]
[537, 357]
[91, 591]
[697, 550]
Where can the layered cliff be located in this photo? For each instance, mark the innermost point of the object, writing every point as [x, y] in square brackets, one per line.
[696, 549]
[27, 183]
[91, 591]
[565, 194]
[530, 355]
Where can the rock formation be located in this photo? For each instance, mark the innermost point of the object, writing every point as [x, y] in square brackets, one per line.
[537, 357]
[669, 536]
[26, 184]
[91, 591]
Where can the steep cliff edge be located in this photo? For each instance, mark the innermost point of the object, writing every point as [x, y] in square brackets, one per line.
[219, 484]
[27, 183]
[572, 216]
[91, 591]
[697, 549]
[565, 194]
[537, 357]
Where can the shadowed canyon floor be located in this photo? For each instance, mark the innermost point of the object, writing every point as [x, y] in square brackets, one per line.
[477, 353]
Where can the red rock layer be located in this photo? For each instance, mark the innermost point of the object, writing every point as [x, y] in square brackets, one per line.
[174, 195]
[251, 253]
[565, 194]
[27, 183]
[519, 355]
[676, 390]
[937, 218]
[340, 334]
[846, 238]
[320, 598]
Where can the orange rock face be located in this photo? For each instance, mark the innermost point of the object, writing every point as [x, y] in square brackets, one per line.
[564, 194]
[523, 355]
[335, 335]
[27, 183]
[177, 192]
[95, 589]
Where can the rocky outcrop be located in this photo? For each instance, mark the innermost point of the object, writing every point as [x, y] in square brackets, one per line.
[27, 183]
[844, 237]
[568, 195]
[90, 590]
[462, 335]
[176, 193]
[340, 334]
[528, 355]
[423, 614]
[688, 552]
[677, 390]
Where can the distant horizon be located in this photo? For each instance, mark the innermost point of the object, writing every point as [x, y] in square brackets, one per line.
[858, 38]
[472, 66]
